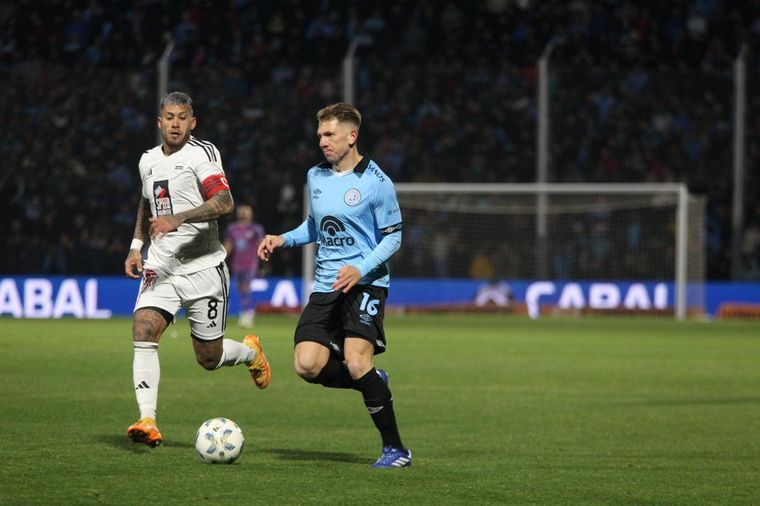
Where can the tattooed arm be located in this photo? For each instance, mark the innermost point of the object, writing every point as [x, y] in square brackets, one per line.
[134, 257]
[142, 224]
[220, 204]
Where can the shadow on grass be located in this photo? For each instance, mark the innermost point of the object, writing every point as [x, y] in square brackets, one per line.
[311, 455]
[122, 442]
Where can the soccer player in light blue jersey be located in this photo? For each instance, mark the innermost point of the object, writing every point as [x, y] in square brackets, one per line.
[356, 222]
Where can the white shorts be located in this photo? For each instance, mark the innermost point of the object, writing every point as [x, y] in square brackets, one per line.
[203, 295]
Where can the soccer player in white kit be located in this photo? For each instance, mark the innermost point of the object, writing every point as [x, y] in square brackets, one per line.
[184, 191]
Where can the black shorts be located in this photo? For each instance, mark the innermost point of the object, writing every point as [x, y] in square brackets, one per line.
[329, 317]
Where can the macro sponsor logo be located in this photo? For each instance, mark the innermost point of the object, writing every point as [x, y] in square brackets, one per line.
[333, 232]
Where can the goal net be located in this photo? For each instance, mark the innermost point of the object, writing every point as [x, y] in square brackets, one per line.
[577, 246]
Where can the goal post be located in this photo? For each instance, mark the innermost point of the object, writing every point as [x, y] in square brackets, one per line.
[570, 234]
[557, 231]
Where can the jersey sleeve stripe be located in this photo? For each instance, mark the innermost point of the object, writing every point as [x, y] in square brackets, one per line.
[393, 228]
[211, 148]
[209, 153]
[209, 145]
[204, 148]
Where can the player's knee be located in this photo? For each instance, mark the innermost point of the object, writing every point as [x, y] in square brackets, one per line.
[144, 329]
[307, 368]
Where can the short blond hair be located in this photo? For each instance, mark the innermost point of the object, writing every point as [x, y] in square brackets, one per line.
[341, 111]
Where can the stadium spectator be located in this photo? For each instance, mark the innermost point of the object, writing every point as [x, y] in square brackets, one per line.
[241, 239]
[640, 92]
[750, 250]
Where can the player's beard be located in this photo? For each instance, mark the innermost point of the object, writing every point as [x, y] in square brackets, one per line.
[176, 145]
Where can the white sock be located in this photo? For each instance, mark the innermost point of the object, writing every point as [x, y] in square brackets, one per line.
[235, 353]
[146, 374]
[246, 318]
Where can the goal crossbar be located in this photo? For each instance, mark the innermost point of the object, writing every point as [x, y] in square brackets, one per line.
[536, 188]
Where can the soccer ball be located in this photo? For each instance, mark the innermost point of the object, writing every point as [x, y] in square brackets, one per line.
[219, 441]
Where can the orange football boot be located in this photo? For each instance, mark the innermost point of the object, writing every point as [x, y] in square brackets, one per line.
[259, 367]
[145, 431]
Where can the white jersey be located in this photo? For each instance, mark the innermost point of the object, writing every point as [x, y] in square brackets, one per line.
[173, 184]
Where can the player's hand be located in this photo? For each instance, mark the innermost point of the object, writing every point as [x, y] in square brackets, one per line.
[268, 244]
[133, 263]
[163, 225]
[348, 277]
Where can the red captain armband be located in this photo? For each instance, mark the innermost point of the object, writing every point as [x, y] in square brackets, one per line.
[215, 183]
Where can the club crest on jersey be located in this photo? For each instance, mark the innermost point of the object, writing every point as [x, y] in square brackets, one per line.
[161, 198]
[149, 280]
[352, 197]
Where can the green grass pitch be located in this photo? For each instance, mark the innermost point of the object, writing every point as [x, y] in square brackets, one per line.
[497, 410]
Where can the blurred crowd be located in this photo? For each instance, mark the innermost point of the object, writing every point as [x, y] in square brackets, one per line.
[640, 92]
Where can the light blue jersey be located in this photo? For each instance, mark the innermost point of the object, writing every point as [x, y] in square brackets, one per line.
[355, 219]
